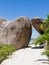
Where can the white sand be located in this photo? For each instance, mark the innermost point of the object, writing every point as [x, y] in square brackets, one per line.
[26, 56]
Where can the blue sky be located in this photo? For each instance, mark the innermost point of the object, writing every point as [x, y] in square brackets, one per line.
[11, 9]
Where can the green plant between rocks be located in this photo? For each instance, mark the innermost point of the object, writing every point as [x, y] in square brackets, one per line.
[5, 51]
[45, 23]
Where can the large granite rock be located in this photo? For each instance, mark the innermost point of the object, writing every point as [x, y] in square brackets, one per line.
[3, 23]
[17, 33]
[36, 22]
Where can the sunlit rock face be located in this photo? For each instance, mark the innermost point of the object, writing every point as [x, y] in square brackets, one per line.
[3, 23]
[36, 22]
[16, 33]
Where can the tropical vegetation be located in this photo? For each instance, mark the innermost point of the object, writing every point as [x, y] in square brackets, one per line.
[5, 51]
[43, 40]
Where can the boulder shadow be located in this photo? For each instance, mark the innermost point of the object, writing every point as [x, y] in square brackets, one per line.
[36, 47]
[44, 61]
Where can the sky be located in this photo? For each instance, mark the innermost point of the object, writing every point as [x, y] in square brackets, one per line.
[11, 9]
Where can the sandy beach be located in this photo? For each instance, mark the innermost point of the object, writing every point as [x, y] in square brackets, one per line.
[27, 56]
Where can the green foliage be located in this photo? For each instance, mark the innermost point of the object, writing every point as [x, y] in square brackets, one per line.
[47, 20]
[45, 37]
[5, 51]
[41, 39]
[38, 41]
[1, 46]
[47, 30]
[46, 52]
[41, 26]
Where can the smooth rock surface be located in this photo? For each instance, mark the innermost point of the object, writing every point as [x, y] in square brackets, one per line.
[36, 22]
[3, 23]
[27, 56]
[17, 33]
